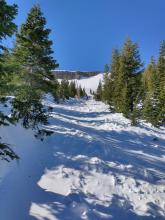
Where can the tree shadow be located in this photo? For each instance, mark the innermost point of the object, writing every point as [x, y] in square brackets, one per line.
[121, 147]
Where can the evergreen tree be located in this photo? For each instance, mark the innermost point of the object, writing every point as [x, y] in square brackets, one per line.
[33, 51]
[98, 95]
[161, 64]
[78, 91]
[130, 67]
[64, 89]
[161, 78]
[7, 28]
[33, 55]
[114, 84]
[127, 90]
[106, 96]
[84, 93]
[72, 89]
[81, 92]
[106, 68]
[27, 108]
[151, 85]
[138, 102]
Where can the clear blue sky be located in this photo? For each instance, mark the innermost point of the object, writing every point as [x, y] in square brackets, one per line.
[85, 31]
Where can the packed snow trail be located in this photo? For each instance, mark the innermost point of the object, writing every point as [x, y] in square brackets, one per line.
[94, 166]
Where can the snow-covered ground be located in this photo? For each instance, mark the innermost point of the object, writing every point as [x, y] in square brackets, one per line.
[94, 166]
[90, 83]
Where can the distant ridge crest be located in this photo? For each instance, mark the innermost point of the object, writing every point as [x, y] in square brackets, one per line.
[67, 74]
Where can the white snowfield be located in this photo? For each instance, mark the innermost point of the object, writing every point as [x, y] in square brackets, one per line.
[90, 83]
[94, 166]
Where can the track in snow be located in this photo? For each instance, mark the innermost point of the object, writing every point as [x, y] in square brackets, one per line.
[94, 166]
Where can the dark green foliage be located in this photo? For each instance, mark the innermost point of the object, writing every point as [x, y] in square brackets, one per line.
[106, 68]
[33, 47]
[161, 78]
[27, 71]
[80, 92]
[64, 89]
[154, 87]
[68, 90]
[130, 67]
[72, 89]
[130, 91]
[121, 86]
[136, 94]
[7, 28]
[84, 93]
[161, 64]
[111, 86]
[106, 90]
[34, 54]
[28, 109]
[99, 92]
[151, 85]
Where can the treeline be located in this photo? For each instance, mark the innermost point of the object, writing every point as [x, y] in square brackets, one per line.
[26, 72]
[130, 89]
[69, 89]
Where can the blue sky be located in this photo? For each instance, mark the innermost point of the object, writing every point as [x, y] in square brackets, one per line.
[85, 31]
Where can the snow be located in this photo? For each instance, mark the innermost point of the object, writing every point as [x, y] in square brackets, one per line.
[94, 166]
[90, 83]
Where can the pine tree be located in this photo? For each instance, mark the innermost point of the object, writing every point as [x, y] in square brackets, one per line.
[81, 92]
[7, 28]
[161, 64]
[152, 90]
[138, 100]
[72, 89]
[33, 50]
[33, 55]
[84, 93]
[161, 78]
[98, 95]
[64, 91]
[114, 85]
[106, 68]
[130, 67]
[110, 81]
[106, 88]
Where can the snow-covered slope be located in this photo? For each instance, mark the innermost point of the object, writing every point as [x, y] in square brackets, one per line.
[95, 166]
[90, 83]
